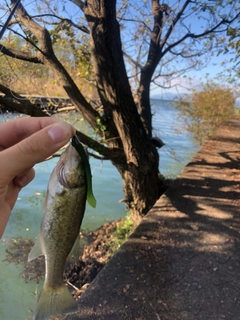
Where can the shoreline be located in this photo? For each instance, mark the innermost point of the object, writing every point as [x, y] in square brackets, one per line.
[77, 274]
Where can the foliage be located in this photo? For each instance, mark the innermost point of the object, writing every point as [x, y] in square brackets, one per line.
[37, 79]
[122, 232]
[234, 41]
[14, 73]
[230, 44]
[205, 110]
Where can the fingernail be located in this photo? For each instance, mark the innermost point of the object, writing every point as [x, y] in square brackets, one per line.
[60, 131]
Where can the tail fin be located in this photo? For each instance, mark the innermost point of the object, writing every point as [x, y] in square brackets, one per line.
[53, 302]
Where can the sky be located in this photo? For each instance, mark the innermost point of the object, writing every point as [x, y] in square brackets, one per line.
[213, 68]
[193, 79]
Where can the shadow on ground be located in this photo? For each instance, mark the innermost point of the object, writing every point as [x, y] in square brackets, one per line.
[183, 260]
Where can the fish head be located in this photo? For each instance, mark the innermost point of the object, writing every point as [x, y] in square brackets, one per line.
[69, 169]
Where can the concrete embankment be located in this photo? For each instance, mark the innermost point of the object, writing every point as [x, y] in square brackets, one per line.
[183, 260]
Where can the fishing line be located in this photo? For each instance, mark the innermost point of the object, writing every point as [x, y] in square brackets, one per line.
[9, 19]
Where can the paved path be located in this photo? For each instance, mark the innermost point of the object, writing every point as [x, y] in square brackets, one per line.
[183, 260]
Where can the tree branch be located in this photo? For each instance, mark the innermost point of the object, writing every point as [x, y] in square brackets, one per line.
[175, 21]
[49, 59]
[16, 102]
[77, 26]
[113, 154]
[136, 20]
[41, 33]
[134, 62]
[21, 104]
[20, 55]
[192, 35]
[154, 54]
[23, 107]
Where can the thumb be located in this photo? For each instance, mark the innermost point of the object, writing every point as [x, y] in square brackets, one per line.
[36, 148]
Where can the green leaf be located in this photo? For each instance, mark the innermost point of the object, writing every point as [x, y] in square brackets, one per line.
[79, 147]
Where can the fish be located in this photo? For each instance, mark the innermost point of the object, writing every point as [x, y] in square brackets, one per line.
[63, 211]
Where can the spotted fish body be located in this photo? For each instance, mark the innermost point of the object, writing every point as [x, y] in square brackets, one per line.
[63, 211]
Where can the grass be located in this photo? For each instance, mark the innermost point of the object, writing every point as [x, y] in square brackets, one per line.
[122, 232]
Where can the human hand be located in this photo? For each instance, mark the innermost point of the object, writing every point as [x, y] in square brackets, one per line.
[23, 143]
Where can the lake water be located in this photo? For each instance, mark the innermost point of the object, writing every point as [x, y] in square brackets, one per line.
[17, 298]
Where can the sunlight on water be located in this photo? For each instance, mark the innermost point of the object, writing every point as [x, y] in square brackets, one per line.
[18, 298]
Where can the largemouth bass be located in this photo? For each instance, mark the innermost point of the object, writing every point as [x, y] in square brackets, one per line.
[63, 212]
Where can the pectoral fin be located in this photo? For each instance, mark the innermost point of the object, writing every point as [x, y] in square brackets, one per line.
[37, 250]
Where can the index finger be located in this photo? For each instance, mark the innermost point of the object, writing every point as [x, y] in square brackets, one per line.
[33, 149]
[13, 131]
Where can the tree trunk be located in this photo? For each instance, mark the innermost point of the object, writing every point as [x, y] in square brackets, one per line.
[139, 164]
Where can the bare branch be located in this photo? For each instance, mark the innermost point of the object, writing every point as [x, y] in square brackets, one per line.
[136, 21]
[24, 107]
[196, 36]
[16, 102]
[10, 93]
[175, 21]
[21, 55]
[186, 56]
[113, 154]
[77, 26]
[134, 62]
